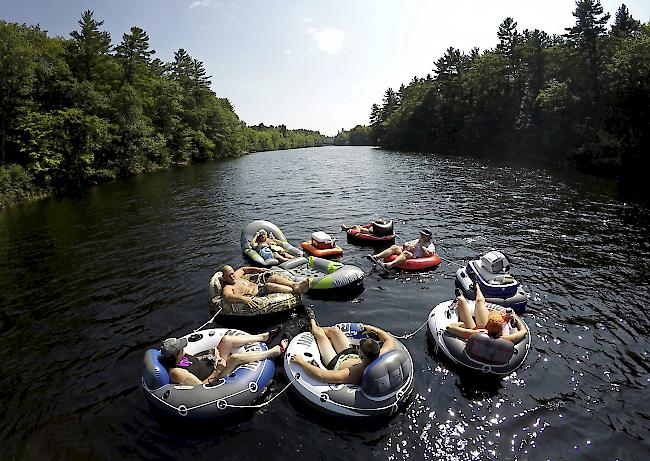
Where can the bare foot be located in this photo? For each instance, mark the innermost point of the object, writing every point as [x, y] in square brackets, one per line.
[302, 287]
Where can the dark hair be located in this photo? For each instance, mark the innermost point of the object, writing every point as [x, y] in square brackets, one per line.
[167, 362]
[369, 348]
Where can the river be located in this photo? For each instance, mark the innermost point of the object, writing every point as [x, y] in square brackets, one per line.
[87, 284]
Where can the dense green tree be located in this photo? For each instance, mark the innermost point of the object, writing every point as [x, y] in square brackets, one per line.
[72, 114]
[624, 23]
[89, 49]
[134, 53]
[580, 99]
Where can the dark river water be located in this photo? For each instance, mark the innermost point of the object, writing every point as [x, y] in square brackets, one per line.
[88, 284]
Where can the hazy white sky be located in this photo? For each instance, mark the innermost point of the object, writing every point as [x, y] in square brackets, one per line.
[312, 64]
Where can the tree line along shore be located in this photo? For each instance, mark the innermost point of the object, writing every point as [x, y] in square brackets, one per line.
[581, 99]
[81, 111]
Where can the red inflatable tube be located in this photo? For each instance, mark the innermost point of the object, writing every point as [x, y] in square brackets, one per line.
[415, 264]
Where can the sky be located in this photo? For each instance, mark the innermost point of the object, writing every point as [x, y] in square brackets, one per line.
[314, 64]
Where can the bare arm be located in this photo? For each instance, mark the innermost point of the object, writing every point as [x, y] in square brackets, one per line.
[388, 342]
[427, 250]
[252, 270]
[458, 329]
[181, 376]
[521, 333]
[350, 375]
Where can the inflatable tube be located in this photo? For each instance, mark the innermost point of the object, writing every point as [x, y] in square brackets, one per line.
[416, 264]
[479, 352]
[269, 304]
[386, 384]
[243, 386]
[501, 289]
[249, 232]
[324, 274]
[387, 238]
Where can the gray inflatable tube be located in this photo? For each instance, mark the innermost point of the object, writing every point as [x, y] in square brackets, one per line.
[324, 274]
[242, 387]
[386, 384]
[479, 352]
[249, 232]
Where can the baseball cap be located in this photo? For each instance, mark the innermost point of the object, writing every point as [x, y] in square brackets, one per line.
[171, 347]
[426, 232]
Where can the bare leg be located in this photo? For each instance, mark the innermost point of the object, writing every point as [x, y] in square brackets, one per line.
[339, 341]
[287, 286]
[279, 280]
[399, 260]
[279, 257]
[462, 306]
[240, 358]
[325, 347]
[230, 342]
[480, 310]
[393, 250]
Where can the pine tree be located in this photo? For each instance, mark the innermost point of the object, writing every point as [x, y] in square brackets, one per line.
[133, 52]
[89, 48]
[624, 23]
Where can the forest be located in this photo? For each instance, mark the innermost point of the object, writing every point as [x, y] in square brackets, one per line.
[581, 99]
[81, 111]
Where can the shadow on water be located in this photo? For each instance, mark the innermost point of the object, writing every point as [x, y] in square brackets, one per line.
[341, 294]
[317, 415]
[473, 385]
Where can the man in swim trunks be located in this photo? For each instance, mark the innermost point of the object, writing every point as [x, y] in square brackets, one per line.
[345, 363]
[413, 249]
[239, 289]
[192, 370]
[486, 321]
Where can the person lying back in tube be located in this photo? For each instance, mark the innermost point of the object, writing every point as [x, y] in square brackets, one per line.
[364, 230]
[345, 363]
[221, 361]
[238, 289]
[269, 247]
[419, 248]
[487, 321]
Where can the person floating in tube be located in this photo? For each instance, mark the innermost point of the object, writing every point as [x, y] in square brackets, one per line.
[365, 230]
[491, 322]
[219, 362]
[269, 247]
[344, 363]
[409, 250]
[238, 288]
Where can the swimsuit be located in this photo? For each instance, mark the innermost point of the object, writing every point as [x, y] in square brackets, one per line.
[347, 354]
[199, 368]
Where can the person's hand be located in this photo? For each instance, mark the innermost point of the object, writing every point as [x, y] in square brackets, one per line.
[220, 363]
[215, 354]
[253, 303]
[299, 359]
